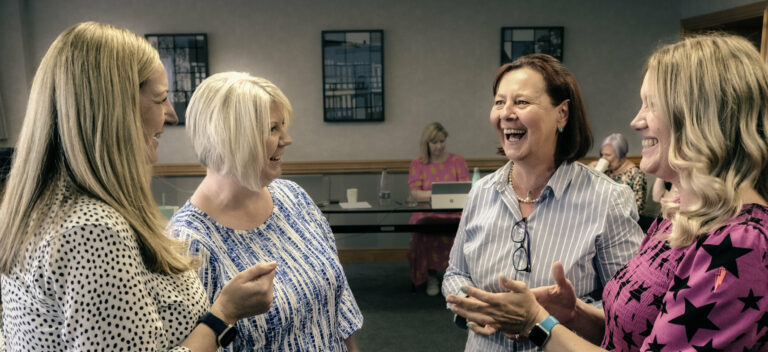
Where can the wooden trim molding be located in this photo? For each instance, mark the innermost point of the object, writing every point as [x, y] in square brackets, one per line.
[346, 167]
[726, 16]
[328, 167]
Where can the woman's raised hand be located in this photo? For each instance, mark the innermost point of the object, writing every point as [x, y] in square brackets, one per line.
[558, 299]
[248, 293]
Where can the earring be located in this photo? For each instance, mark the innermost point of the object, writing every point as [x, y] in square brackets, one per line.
[560, 129]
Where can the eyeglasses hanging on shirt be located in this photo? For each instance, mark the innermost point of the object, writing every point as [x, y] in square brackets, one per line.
[521, 257]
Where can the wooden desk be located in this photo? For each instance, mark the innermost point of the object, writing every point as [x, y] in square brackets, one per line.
[398, 226]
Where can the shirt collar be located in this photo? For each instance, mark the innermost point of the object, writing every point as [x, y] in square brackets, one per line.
[556, 184]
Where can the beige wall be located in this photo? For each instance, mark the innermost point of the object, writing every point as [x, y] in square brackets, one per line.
[440, 56]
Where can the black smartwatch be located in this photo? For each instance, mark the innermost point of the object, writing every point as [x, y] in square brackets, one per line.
[225, 333]
[542, 331]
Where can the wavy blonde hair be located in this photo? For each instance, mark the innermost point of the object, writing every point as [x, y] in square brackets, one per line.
[429, 133]
[83, 127]
[228, 123]
[712, 90]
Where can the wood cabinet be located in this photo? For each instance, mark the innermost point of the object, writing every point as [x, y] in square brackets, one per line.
[750, 21]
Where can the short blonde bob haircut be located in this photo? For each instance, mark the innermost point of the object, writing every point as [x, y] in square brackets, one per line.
[429, 134]
[712, 90]
[228, 123]
[83, 128]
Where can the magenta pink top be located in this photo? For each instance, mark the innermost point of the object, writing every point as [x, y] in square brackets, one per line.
[421, 176]
[709, 296]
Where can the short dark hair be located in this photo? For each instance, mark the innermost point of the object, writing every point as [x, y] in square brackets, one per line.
[576, 139]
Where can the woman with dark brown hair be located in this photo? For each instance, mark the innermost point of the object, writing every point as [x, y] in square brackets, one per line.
[542, 205]
[700, 279]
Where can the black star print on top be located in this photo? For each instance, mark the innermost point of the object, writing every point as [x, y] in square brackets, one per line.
[750, 301]
[725, 255]
[655, 346]
[706, 348]
[679, 285]
[648, 329]
[664, 298]
[762, 323]
[637, 292]
[657, 301]
[695, 318]
[627, 337]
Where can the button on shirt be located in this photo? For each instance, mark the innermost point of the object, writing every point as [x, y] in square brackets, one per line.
[583, 219]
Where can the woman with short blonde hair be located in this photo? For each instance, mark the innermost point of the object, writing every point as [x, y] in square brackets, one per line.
[235, 94]
[84, 261]
[242, 214]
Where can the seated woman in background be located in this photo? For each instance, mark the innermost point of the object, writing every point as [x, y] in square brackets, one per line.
[622, 170]
[428, 254]
[242, 214]
[700, 280]
[85, 263]
[542, 205]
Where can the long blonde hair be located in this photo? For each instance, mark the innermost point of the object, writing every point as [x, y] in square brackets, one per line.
[712, 90]
[83, 127]
[429, 134]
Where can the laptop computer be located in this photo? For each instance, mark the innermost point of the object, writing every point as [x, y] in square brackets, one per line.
[450, 195]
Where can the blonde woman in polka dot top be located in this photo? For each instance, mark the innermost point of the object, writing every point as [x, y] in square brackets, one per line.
[85, 264]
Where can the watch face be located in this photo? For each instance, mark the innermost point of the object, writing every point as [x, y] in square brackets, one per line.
[538, 335]
[227, 336]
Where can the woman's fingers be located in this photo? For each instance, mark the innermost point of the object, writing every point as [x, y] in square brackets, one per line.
[479, 294]
[513, 285]
[485, 330]
[469, 308]
[558, 273]
[258, 270]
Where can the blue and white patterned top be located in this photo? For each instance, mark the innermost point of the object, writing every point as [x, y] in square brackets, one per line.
[313, 307]
[583, 219]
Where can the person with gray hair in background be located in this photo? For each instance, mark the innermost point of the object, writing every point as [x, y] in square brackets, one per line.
[622, 170]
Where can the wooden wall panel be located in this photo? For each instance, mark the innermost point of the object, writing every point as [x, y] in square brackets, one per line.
[343, 167]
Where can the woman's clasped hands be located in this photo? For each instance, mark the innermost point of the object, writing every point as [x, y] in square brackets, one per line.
[516, 311]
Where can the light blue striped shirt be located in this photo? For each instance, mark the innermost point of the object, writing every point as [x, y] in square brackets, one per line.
[583, 219]
[313, 307]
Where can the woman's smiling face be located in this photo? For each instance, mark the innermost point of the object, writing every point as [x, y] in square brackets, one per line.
[524, 117]
[656, 135]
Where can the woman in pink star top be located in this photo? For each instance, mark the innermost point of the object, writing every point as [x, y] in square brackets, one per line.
[700, 279]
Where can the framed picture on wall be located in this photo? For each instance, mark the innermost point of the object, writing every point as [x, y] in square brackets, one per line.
[185, 57]
[519, 41]
[353, 76]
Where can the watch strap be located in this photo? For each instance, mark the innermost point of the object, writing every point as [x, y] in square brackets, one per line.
[225, 333]
[541, 332]
[548, 323]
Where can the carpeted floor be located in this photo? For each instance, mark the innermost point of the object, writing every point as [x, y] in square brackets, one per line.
[397, 319]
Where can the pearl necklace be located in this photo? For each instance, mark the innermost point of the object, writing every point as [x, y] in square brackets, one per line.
[527, 199]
